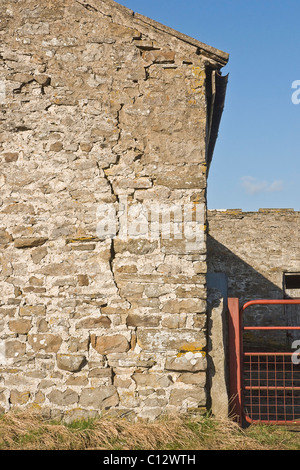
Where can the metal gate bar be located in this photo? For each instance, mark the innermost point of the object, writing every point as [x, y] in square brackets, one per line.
[264, 386]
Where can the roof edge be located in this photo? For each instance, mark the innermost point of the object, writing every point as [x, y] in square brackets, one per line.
[216, 54]
[105, 6]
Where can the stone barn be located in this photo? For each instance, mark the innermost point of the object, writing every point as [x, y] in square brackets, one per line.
[108, 125]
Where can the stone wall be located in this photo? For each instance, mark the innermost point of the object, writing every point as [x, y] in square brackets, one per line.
[103, 117]
[255, 250]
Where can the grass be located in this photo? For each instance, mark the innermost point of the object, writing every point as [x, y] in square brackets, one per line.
[29, 431]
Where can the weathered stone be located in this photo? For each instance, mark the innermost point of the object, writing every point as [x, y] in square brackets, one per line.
[20, 326]
[29, 242]
[70, 362]
[174, 321]
[137, 246]
[189, 361]
[78, 344]
[10, 157]
[42, 325]
[152, 339]
[39, 398]
[184, 306]
[32, 310]
[159, 57]
[120, 382]
[5, 237]
[142, 320]
[110, 344]
[19, 397]
[94, 322]
[14, 349]
[42, 79]
[152, 380]
[68, 397]
[83, 279]
[190, 378]
[188, 398]
[101, 372]
[47, 342]
[56, 147]
[99, 398]
[38, 254]
[77, 381]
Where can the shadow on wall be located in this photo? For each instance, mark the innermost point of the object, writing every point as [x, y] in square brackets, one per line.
[246, 283]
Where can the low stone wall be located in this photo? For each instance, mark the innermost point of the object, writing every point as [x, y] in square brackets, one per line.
[254, 250]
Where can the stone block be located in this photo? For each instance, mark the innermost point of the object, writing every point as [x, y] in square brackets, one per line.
[32, 310]
[185, 398]
[152, 380]
[29, 242]
[65, 398]
[5, 237]
[19, 397]
[70, 362]
[192, 362]
[45, 342]
[99, 397]
[110, 344]
[185, 306]
[14, 349]
[93, 322]
[138, 320]
[152, 339]
[21, 327]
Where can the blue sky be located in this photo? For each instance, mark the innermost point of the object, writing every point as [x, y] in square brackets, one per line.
[256, 162]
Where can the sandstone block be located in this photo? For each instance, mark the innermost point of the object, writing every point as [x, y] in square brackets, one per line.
[70, 362]
[20, 326]
[32, 310]
[56, 147]
[136, 246]
[39, 398]
[184, 306]
[152, 380]
[100, 397]
[142, 320]
[68, 397]
[5, 237]
[190, 378]
[187, 362]
[101, 372]
[188, 398]
[47, 342]
[159, 57]
[83, 280]
[152, 339]
[42, 79]
[110, 344]
[11, 157]
[14, 349]
[78, 344]
[29, 242]
[38, 254]
[19, 398]
[174, 321]
[93, 322]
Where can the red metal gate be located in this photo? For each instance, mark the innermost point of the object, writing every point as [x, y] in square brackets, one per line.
[264, 386]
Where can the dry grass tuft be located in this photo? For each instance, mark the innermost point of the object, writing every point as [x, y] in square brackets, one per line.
[30, 431]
